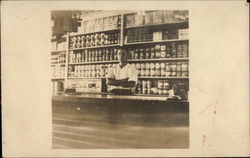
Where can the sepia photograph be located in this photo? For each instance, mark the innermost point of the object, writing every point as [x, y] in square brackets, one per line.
[125, 78]
[120, 79]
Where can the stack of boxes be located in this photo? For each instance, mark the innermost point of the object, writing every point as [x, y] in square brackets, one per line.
[156, 17]
[100, 24]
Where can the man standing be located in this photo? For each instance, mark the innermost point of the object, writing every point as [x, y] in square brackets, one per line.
[123, 77]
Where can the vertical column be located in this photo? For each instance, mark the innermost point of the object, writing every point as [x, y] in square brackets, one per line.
[67, 57]
[122, 30]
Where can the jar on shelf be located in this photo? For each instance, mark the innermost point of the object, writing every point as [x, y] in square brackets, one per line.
[115, 54]
[157, 66]
[178, 69]
[147, 55]
[137, 54]
[107, 55]
[152, 72]
[143, 66]
[147, 72]
[162, 72]
[152, 53]
[90, 56]
[147, 65]
[162, 65]
[141, 53]
[138, 66]
[152, 65]
[142, 72]
[149, 85]
[174, 69]
[111, 54]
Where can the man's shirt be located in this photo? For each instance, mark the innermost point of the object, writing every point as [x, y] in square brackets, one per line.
[128, 71]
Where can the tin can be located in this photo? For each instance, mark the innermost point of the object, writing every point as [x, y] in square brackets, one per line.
[152, 72]
[163, 73]
[173, 74]
[144, 83]
[152, 53]
[115, 54]
[157, 65]
[147, 56]
[142, 54]
[157, 72]
[142, 72]
[147, 65]
[152, 65]
[143, 66]
[149, 83]
[137, 54]
[162, 65]
[174, 66]
[144, 90]
[107, 55]
[138, 66]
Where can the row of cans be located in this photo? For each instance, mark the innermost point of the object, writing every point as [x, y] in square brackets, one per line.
[98, 39]
[105, 54]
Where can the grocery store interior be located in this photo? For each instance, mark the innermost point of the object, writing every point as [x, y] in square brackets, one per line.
[87, 111]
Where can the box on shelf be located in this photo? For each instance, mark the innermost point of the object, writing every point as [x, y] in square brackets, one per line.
[168, 16]
[183, 33]
[157, 17]
[148, 18]
[184, 15]
[139, 20]
[130, 20]
[157, 36]
[176, 16]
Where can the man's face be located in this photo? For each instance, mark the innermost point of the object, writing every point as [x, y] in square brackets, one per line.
[122, 56]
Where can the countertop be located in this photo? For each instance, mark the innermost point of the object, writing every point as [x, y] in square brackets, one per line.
[115, 96]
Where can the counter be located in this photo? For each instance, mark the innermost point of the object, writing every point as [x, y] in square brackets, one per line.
[123, 102]
[106, 121]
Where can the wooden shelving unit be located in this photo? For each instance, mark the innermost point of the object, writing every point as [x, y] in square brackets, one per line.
[122, 42]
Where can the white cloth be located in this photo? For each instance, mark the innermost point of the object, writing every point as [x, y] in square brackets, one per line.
[128, 71]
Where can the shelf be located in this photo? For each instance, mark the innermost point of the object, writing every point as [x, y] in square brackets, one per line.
[57, 51]
[80, 34]
[158, 25]
[131, 60]
[156, 77]
[150, 42]
[138, 77]
[112, 45]
[59, 64]
[98, 62]
[86, 77]
[157, 59]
